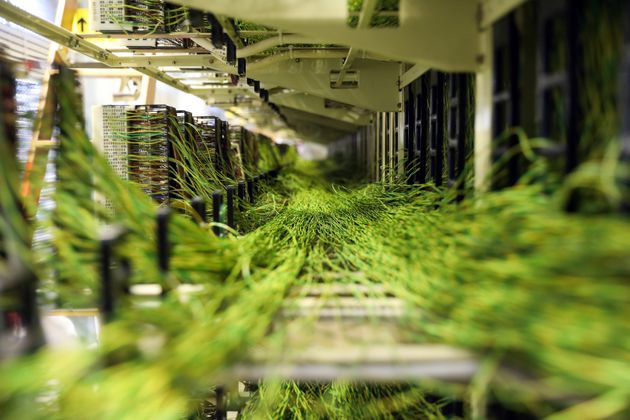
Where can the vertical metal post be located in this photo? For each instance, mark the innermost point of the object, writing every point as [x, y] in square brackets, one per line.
[461, 135]
[411, 164]
[110, 283]
[483, 114]
[624, 110]
[436, 146]
[163, 245]
[401, 139]
[199, 206]
[453, 127]
[216, 34]
[217, 201]
[574, 18]
[256, 184]
[241, 66]
[250, 190]
[230, 205]
[241, 195]
[383, 162]
[162, 218]
[391, 150]
[422, 127]
[107, 281]
[506, 98]
[230, 55]
[220, 410]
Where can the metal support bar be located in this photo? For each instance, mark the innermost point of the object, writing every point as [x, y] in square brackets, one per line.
[241, 195]
[268, 43]
[217, 201]
[220, 401]
[230, 30]
[241, 67]
[216, 31]
[295, 55]
[161, 233]
[230, 205]
[422, 128]
[347, 63]
[483, 113]
[199, 206]
[411, 75]
[462, 112]
[107, 283]
[110, 283]
[250, 190]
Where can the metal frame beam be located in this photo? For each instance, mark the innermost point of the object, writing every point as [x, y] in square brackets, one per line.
[65, 38]
[295, 55]
[230, 30]
[483, 113]
[454, 22]
[316, 105]
[411, 75]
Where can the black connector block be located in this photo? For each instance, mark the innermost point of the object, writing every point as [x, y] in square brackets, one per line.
[199, 206]
[241, 65]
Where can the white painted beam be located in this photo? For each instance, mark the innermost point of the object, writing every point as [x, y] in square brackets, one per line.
[439, 34]
[483, 114]
[412, 74]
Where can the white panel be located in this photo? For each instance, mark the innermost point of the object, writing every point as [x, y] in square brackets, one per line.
[109, 136]
[108, 15]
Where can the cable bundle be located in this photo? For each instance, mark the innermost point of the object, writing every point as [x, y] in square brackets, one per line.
[214, 131]
[506, 274]
[146, 15]
[149, 128]
[236, 135]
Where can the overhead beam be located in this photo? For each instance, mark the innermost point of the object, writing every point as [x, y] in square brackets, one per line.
[331, 123]
[131, 35]
[377, 89]
[317, 105]
[295, 55]
[106, 72]
[455, 23]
